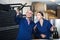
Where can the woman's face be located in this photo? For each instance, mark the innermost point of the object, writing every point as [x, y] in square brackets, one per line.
[39, 16]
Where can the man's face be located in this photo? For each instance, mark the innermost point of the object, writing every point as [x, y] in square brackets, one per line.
[29, 14]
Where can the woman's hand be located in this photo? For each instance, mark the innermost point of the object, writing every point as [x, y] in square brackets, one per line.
[52, 28]
[35, 28]
[43, 35]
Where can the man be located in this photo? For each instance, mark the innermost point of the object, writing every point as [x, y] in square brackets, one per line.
[25, 26]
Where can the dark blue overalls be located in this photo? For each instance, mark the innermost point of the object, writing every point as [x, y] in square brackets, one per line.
[44, 29]
[25, 30]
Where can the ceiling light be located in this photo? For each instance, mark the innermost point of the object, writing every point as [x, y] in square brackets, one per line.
[52, 0]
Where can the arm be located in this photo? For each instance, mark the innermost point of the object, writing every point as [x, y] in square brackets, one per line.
[51, 29]
[35, 28]
[18, 17]
[36, 32]
[50, 26]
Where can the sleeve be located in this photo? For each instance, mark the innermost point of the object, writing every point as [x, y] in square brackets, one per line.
[18, 18]
[33, 27]
[49, 25]
[37, 33]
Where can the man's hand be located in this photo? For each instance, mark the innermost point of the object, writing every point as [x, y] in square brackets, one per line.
[17, 11]
[43, 35]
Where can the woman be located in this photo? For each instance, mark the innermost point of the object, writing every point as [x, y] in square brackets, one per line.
[44, 27]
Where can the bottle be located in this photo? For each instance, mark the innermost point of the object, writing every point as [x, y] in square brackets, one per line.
[55, 33]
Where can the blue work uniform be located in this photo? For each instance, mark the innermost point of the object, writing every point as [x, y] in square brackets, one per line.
[25, 30]
[44, 29]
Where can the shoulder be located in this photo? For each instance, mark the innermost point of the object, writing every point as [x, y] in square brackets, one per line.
[22, 19]
[32, 23]
[47, 21]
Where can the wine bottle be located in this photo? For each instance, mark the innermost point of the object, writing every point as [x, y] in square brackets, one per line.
[55, 33]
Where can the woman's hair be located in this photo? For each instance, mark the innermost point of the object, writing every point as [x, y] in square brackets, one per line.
[41, 13]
